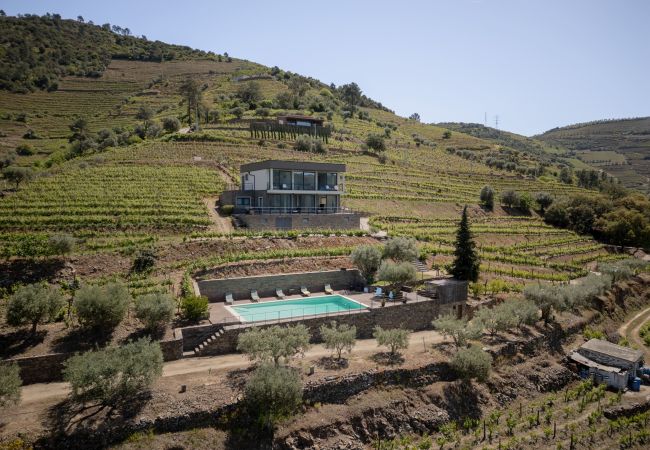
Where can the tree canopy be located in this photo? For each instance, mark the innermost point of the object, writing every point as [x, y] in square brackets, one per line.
[466, 262]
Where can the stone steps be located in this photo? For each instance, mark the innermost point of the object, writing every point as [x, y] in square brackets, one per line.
[198, 350]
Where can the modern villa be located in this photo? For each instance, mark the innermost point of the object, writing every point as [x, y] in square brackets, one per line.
[276, 194]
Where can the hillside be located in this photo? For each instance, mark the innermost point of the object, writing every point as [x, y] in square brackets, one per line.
[620, 147]
[117, 177]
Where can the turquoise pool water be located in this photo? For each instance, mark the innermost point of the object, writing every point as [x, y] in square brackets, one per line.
[298, 307]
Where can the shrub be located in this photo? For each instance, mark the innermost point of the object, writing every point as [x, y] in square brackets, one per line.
[376, 142]
[401, 249]
[144, 261]
[546, 298]
[472, 362]
[10, 383]
[115, 374]
[446, 135]
[339, 338]
[274, 343]
[510, 198]
[102, 307]
[250, 92]
[487, 197]
[273, 393]
[171, 124]
[154, 310]
[18, 175]
[557, 215]
[459, 330]
[33, 304]
[194, 308]
[238, 112]
[524, 312]
[262, 112]
[395, 339]
[25, 150]
[61, 244]
[367, 258]
[226, 209]
[525, 202]
[306, 143]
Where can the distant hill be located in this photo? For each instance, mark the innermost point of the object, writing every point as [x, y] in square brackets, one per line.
[621, 147]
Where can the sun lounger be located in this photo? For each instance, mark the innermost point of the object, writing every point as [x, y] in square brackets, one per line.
[391, 296]
[328, 289]
[379, 293]
[279, 294]
[254, 296]
[304, 292]
[229, 299]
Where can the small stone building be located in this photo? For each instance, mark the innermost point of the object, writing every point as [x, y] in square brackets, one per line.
[451, 295]
[608, 363]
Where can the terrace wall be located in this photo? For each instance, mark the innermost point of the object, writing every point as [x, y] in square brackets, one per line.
[290, 283]
[351, 221]
[414, 316]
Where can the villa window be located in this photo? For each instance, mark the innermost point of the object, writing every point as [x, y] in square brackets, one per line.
[282, 179]
[309, 181]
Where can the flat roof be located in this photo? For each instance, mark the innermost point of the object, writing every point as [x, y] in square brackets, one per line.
[292, 165]
[577, 357]
[617, 351]
[301, 117]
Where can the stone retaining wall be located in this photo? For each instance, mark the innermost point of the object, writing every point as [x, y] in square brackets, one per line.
[414, 316]
[266, 285]
[350, 221]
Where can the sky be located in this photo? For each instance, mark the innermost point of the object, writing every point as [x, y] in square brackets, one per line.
[536, 64]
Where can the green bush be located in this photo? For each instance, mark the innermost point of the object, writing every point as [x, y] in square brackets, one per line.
[171, 124]
[61, 244]
[154, 310]
[401, 249]
[144, 261]
[376, 142]
[102, 307]
[33, 304]
[25, 150]
[272, 393]
[116, 374]
[396, 274]
[510, 198]
[459, 330]
[226, 210]
[487, 197]
[194, 308]
[10, 383]
[472, 362]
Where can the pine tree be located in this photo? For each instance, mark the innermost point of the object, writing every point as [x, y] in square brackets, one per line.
[466, 262]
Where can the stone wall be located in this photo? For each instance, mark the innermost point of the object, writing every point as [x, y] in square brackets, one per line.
[266, 285]
[49, 368]
[414, 316]
[351, 221]
[41, 368]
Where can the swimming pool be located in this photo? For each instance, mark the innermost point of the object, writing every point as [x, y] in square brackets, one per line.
[298, 307]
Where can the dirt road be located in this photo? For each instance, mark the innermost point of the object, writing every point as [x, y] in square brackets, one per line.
[185, 368]
[630, 330]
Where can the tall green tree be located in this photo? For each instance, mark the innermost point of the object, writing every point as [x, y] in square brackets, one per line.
[466, 261]
[192, 95]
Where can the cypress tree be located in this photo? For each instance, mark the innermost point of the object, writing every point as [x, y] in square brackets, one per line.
[466, 262]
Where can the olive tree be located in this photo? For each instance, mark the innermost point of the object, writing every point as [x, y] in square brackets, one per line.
[9, 384]
[401, 249]
[33, 304]
[102, 307]
[376, 142]
[274, 343]
[524, 312]
[367, 258]
[395, 339]
[272, 393]
[510, 198]
[154, 310]
[116, 374]
[171, 124]
[544, 200]
[61, 244]
[18, 175]
[546, 298]
[396, 274]
[496, 319]
[487, 197]
[472, 362]
[339, 338]
[459, 330]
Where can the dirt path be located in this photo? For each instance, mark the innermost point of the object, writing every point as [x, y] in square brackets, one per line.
[188, 368]
[630, 330]
[220, 224]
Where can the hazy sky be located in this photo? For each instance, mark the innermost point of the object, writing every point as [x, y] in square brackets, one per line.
[536, 64]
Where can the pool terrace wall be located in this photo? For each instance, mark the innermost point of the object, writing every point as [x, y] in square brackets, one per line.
[290, 283]
[414, 316]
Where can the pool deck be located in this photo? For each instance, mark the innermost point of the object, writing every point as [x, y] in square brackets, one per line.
[220, 313]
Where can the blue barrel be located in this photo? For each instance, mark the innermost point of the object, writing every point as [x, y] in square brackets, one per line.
[636, 384]
[584, 373]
